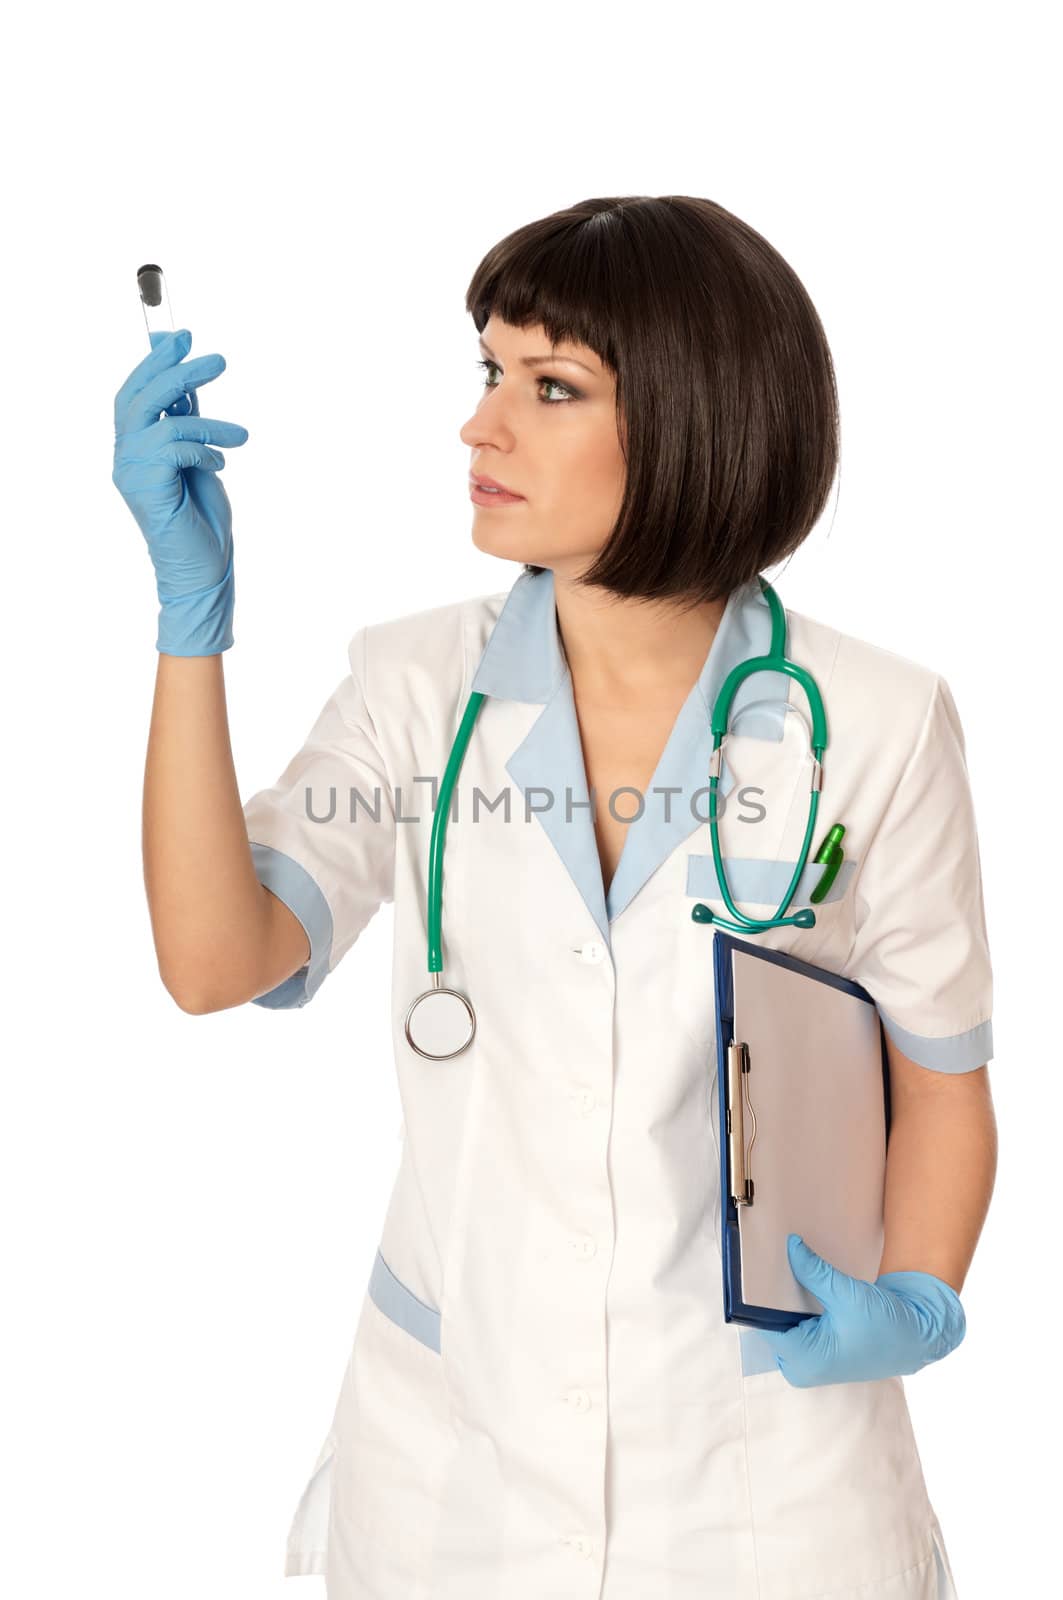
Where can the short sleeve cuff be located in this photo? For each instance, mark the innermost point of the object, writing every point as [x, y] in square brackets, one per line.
[290, 882]
[957, 1052]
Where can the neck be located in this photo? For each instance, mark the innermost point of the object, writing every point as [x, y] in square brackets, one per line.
[620, 649]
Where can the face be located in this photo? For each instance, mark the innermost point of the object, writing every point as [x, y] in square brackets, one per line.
[548, 432]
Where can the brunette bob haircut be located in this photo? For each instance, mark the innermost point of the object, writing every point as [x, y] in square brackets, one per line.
[726, 401]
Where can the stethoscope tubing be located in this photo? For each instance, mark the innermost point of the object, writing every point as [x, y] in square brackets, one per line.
[439, 831]
[774, 661]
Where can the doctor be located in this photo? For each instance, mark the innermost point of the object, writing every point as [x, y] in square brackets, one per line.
[543, 1398]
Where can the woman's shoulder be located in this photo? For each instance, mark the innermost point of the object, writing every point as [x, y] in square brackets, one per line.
[860, 673]
[436, 647]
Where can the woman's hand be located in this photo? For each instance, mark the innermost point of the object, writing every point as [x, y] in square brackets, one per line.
[168, 476]
[894, 1326]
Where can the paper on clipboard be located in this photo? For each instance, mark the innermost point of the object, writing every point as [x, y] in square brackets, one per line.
[818, 1156]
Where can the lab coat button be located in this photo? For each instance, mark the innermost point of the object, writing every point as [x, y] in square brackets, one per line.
[583, 1100]
[579, 1399]
[592, 952]
[583, 1245]
[579, 1544]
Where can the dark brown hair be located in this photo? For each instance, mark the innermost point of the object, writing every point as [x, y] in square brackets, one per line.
[727, 407]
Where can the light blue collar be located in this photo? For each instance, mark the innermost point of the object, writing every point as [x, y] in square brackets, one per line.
[523, 660]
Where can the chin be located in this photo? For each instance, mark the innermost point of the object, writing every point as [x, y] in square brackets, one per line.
[496, 542]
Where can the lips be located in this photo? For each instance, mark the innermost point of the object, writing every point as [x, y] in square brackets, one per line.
[479, 482]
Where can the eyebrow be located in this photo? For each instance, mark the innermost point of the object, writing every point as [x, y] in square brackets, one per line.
[541, 361]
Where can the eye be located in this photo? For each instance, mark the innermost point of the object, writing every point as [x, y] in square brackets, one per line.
[555, 383]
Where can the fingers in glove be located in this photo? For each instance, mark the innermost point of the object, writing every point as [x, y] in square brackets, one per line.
[133, 467]
[160, 380]
[155, 443]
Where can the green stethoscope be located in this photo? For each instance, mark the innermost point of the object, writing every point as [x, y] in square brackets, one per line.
[443, 1019]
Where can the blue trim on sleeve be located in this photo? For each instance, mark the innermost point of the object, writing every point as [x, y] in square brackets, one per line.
[290, 882]
[959, 1052]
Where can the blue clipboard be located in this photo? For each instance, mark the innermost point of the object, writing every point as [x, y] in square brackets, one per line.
[724, 946]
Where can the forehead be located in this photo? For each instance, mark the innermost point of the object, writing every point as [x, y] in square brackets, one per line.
[534, 341]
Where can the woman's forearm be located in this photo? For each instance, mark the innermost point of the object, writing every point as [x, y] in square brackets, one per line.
[220, 936]
[940, 1169]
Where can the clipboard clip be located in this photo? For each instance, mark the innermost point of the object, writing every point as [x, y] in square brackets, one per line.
[738, 1102]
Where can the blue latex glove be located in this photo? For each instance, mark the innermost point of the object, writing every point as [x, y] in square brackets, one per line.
[885, 1329]
[167, 474]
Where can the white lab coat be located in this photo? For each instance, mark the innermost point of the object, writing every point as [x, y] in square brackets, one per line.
[543, 1398]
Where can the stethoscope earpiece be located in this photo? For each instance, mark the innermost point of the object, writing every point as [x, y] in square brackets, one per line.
[805, 918]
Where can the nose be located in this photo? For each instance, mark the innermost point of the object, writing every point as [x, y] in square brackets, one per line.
[487, 425]
[479, 431]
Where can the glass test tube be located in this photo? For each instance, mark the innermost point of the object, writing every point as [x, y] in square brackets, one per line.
[155, 303]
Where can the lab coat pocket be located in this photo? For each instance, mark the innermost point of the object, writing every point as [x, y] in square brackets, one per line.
[393, 1440]
[756, 883]
[837, 1497]
[758, 1358]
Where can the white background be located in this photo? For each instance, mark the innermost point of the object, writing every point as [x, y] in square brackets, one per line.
[192, 1204]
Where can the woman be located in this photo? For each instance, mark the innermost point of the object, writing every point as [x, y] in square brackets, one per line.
[543, 1397]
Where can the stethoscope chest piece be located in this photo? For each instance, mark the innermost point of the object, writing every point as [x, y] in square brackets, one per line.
[440, 1023]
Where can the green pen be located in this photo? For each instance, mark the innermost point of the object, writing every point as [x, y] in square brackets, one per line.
[831, 852]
